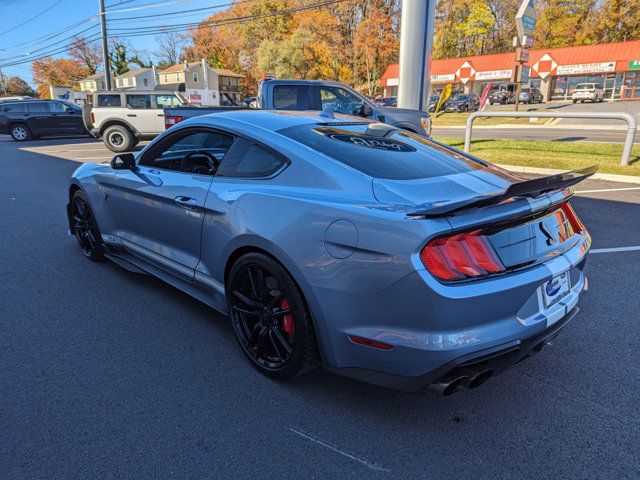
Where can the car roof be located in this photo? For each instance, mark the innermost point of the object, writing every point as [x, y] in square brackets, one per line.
[274, 120]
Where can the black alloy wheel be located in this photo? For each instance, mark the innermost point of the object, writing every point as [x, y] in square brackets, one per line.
[85, 228]
[270, 317]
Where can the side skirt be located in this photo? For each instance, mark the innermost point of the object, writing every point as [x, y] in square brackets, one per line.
[199, 289]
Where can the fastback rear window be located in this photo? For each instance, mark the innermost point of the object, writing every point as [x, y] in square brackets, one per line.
[382, 153]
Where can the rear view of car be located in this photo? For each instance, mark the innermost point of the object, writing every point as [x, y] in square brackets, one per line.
[373, 251]
[587, 92]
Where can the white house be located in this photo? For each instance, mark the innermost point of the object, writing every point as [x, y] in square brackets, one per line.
[140, 79]
[93, 82]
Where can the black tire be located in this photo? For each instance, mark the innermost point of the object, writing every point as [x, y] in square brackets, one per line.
[574, 101]
[259, 291]
[20, 132]
[118, 138]
[85, 228]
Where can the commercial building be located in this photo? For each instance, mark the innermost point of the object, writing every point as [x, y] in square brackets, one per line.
[555, 71]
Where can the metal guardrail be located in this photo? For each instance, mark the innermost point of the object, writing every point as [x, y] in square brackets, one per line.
[632, 124]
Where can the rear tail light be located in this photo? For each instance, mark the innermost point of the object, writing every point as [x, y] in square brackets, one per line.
[461, 256]
[571, 215]
[171, 120]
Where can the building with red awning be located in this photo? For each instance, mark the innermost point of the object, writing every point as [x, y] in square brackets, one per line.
[555, 71]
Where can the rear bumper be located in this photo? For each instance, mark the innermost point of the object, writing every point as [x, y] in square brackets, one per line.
[497, 359]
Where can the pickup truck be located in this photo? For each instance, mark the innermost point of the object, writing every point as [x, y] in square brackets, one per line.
[318, 95]
[123, 118]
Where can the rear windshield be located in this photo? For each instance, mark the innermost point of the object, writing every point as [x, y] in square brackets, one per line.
[377, 151]
[585, 86]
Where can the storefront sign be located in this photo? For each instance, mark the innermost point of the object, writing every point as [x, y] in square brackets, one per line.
[586, 68]
[633, 65]
[493, 74]
[392, 82]
[449, 77]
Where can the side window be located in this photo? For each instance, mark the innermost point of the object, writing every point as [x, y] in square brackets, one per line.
[246, 159]
[109, 100]
[167, 101]
[189, 151]
[38, 107]
[341, 100]
[139, 102]
[57, 107]
[292, 97]
[15, 108]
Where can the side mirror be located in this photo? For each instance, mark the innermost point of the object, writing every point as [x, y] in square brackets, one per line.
[70, 110]
[124, 161]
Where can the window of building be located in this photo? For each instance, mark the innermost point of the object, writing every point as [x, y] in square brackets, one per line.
[145, 82]
[246, 159]
[195, 77]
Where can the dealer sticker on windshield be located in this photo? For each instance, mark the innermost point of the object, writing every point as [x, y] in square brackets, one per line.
[555, 289]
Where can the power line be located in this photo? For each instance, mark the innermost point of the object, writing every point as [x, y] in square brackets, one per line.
[64, 40]
[33, 18]
[53, 34]
[154, 29]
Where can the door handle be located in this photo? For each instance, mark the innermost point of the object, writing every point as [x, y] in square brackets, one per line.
[187, 202]
[161, 114]
[131, 115]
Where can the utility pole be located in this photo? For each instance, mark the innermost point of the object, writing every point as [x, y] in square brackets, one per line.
[4, 83]
[105, 47]
[416, 39]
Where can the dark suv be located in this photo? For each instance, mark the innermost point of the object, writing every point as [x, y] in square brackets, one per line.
[28, 119]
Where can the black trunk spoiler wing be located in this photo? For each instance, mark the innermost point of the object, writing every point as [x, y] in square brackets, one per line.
[528, 188]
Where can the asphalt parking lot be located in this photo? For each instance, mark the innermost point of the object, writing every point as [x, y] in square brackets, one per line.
[107, 374]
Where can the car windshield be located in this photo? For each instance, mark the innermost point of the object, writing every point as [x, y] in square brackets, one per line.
[377, 151]
[77, 108]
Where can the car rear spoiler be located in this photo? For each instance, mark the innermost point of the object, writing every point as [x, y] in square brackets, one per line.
[528, 188]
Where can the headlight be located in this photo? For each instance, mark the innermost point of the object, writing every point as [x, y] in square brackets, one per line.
[426, 124]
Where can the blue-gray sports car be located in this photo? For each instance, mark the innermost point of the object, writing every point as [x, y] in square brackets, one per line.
[375, 252]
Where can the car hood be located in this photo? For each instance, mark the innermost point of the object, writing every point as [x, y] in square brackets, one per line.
[442, 190]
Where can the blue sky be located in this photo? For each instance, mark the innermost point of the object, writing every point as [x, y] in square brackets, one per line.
[31, 28]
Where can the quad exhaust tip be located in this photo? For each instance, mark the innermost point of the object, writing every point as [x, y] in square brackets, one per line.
[460, 378]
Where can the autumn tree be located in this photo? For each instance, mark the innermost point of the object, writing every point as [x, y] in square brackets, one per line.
[16, 86]
[58, 72]
[612, 21]
[561, 23]
[118, 53]
[86, 53]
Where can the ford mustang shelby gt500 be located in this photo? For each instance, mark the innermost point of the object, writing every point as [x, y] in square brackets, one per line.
[380, 254]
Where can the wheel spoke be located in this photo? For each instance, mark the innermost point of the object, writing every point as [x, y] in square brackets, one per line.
[281, 340]
[245, 311]
[282, 311]
[262, 341]
[246, 300]
[275, 347]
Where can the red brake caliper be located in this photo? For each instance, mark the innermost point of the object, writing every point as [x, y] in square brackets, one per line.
[287, 321]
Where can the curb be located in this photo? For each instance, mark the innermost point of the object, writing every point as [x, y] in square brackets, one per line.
[611, 177]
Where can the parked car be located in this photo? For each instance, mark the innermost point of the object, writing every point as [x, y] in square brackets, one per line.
[502, 97]
[387, 102]
[531, 95]
[303, 95]
[433, 102]
[337, 241]
[588, 91]
[28, 119]
[464, 102]
[124, 118]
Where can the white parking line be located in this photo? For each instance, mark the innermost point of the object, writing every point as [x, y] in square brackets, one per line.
[615, 249]
[349, 456]
[606, 190]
